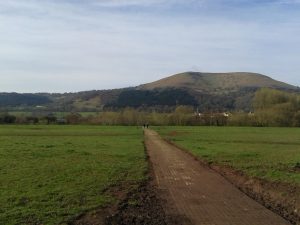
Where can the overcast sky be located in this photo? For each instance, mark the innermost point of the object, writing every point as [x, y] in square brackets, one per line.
[73, 45]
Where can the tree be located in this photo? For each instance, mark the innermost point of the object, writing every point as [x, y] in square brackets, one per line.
[32, 119]
[73, 118]
[275, 108]
[50, 118]
[7, 118]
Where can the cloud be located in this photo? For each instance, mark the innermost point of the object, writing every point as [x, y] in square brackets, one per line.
[93, 44]
[118, 3]
[288, 1]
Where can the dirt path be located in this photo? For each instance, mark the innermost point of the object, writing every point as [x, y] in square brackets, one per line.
[199, 194]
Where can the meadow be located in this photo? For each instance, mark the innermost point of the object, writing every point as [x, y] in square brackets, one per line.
[268, 153]
[51, 174]
[57, 114]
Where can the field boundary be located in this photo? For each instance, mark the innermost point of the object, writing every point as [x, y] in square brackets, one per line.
[141, 205]
[269, 194]
[135, 205]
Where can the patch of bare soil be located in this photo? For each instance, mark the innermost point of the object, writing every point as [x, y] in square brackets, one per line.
[139, 206]
[99, 216]
[145, 206]
[176, 133]
[142, 207]
[281, 198]
[297, 167]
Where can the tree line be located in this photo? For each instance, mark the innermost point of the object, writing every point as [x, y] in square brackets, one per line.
[269, 108]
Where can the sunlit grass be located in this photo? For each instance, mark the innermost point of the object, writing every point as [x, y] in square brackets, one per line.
[270, 153]
[50, 174]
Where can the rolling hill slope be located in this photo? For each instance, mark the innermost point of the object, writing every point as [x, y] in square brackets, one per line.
[207, 91]
[217, 82]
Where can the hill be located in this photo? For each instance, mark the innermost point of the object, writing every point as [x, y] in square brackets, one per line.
[217, 82]
[206, 91]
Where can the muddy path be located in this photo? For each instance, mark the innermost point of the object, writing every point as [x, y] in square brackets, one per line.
[199, 194]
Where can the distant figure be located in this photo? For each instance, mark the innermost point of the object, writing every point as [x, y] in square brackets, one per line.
[144, 126]
[147, 125]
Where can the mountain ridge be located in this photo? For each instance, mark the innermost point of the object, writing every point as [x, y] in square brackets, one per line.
[207, 91]
[196, 80]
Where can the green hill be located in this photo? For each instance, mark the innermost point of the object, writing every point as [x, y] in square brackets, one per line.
[207, 91]
[217, 82]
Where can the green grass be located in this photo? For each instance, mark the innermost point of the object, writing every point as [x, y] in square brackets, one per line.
[49, 174]
[268, 153]
[57, 114]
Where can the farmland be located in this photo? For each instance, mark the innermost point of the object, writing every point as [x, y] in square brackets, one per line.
[51, 174]
[269, 153]
[57, 114]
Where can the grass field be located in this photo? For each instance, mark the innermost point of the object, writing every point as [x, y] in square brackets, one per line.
[57, 114]
[269, 153]
[49, 174]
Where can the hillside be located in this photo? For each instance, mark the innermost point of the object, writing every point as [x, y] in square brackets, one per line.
[206, 91]
[217, 82]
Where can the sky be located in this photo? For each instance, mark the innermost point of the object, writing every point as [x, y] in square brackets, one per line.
[77, 45]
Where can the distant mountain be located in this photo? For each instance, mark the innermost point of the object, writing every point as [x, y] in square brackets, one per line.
[216, 82]
[206, 91]
[15, 99]
[219, 91]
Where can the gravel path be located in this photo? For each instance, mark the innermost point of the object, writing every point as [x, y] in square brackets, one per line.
[197, 193]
